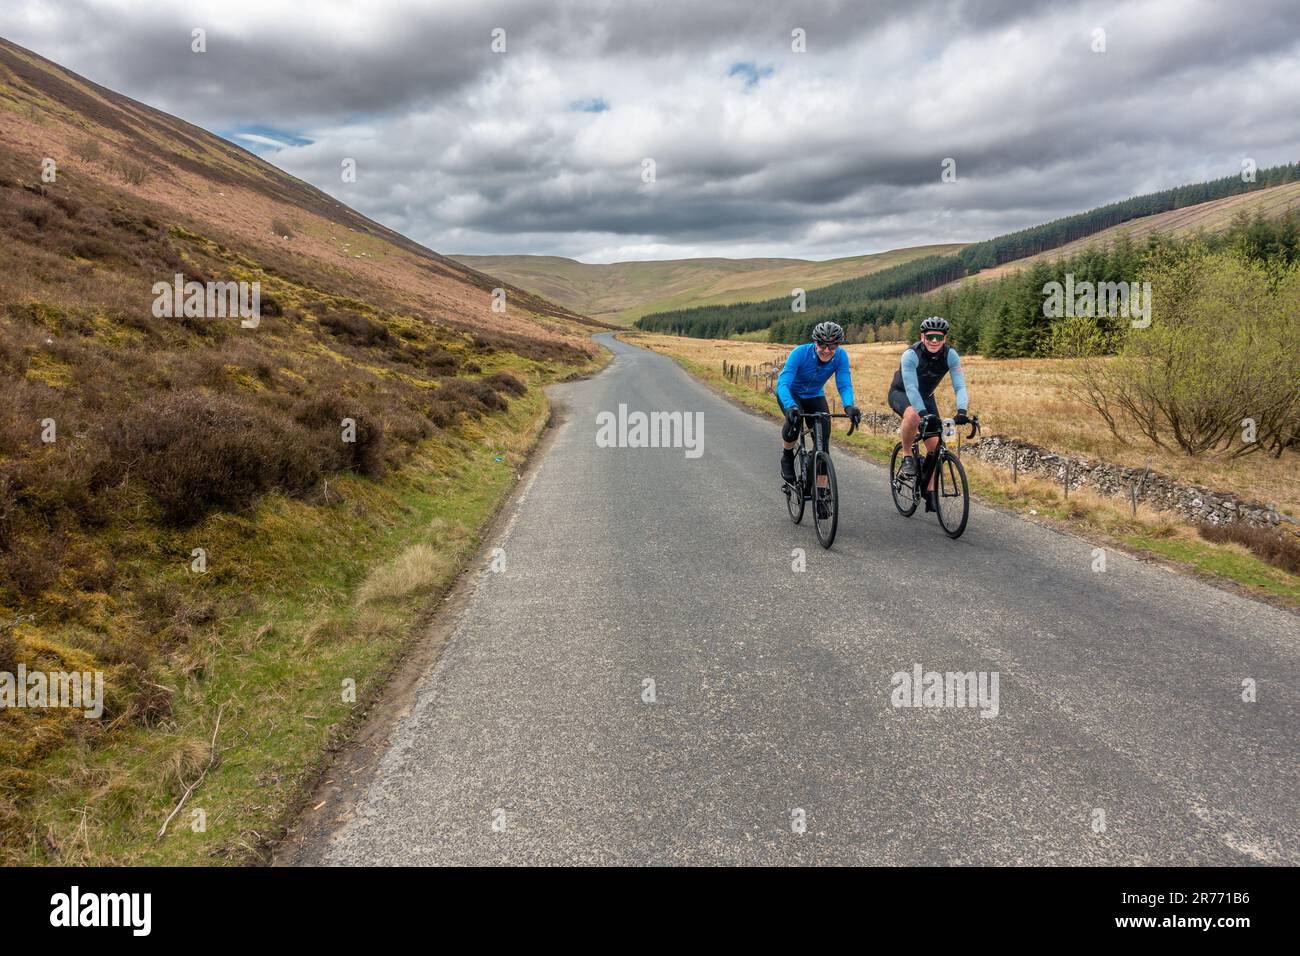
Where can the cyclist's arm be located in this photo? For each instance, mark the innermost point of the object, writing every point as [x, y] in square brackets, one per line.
[786, 379]
[958, 380]
[843, 378]
[911, 385]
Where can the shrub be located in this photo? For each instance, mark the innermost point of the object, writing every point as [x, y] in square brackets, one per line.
[89, 150]
[323, 415]
[356, 328]
[132, 171]
[195, 451]
[505, 382]
[271, 306]
[1279, 549]
[1219, 351]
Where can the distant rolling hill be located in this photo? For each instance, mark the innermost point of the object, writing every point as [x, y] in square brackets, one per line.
[622, 292]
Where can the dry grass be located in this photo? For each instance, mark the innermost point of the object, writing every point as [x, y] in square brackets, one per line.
[417, 570]
[1027, 399]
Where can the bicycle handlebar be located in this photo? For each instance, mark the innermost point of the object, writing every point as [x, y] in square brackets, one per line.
[803, 414]
[973, 421]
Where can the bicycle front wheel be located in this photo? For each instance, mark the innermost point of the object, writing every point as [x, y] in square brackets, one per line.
[953, 496]
[903, 489]
[826, 500]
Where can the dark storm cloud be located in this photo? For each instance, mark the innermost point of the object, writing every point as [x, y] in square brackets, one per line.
[758, 150]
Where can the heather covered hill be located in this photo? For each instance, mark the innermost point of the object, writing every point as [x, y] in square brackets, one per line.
[226, 518]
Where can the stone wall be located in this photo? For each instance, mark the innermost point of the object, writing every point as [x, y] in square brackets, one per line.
[1153, 489]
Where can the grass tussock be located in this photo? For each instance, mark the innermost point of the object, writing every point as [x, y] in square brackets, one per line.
[417, 570]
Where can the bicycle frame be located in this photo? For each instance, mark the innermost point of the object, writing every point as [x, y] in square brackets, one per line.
[819, 420]
[932, 460]
[816, 473]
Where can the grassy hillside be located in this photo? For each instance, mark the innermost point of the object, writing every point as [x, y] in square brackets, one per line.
[1210, 217]
[622, 292]
[237, 525]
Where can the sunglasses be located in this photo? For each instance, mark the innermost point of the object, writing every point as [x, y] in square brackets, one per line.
[935, 336]
[826, 346]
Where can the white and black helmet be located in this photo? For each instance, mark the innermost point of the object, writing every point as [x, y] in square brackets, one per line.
[828, 333]
[934, 323]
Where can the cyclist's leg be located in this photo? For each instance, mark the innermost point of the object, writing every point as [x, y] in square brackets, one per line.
[823, 427]
[931, 443]
[789, 436]
[911, 423]
[789, 433]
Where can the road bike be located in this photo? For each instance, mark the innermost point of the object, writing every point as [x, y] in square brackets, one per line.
[814, 470]
[951, 494]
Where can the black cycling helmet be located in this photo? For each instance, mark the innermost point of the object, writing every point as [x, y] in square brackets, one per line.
[934, 324]
[828, 333]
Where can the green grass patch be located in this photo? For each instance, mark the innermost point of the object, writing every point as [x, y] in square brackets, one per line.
[1224, 562]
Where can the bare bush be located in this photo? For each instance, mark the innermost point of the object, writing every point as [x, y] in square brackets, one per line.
[89, 149]
[132, 172]
[1217, 357]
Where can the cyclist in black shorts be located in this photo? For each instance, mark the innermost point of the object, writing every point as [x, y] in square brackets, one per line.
[911, 395]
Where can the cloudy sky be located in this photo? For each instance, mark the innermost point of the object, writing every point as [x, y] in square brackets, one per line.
[757, 149]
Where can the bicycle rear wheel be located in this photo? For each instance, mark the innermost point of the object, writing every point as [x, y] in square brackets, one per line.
[794, 494]
[953, 496]
[825, 499]
[902, 489]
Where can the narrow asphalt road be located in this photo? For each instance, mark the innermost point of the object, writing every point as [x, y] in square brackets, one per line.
[1120, 734]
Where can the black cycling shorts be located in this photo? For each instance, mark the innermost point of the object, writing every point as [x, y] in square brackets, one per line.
[900, 403]
[816, 404]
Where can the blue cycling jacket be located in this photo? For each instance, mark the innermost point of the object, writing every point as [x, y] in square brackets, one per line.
[805, 376]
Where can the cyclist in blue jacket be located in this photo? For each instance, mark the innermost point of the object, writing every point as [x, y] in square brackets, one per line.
[801, 387]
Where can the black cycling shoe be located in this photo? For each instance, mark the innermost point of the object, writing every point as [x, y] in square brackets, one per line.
[787, 469]
[823, 508]
[929, 502]
[908, 468]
